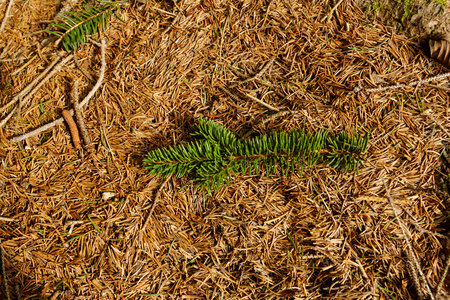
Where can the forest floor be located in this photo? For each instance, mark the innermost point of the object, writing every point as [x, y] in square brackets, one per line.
[80, 225]
[413, 18]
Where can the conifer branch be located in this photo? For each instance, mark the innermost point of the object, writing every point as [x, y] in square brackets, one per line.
[220, 155]
[78, 26]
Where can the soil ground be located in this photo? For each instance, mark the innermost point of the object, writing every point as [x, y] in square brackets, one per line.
[79, 225]
[413, 18]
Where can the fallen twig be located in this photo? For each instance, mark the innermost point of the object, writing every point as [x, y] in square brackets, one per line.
[268, 119]
[444, 275]
[332, 10]
[24, 65]
[277, 115]
[30, 86]
[5, 18]
[55, 70]
[6, 119]
[85, 100]
[16, 287]
[4, 51]
[400, 85]
[73, 128]
[236, 98]
[79, 117]
[157, 196]
[5, 279]
[257, 76]
[72, 224]
[261, 102]
[229, 93]
[412, 259]
[23, 97]
[82, 70]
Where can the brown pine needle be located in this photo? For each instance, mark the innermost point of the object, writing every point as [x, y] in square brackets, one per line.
[10, 114]
[400, 85]
[415, 268]
[79, 117]
[257, 76]
[82, 70]
[23, 97]
[30, 86]
[5, 18]
[85, 101]
[261, 102]
[55, 70]
[443, 276]
[277, 115]
[5, 279]
[157, 196]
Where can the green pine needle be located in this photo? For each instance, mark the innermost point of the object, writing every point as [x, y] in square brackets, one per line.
[78, 26]
[219, 155]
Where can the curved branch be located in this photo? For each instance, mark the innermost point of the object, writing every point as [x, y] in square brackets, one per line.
[84, 102]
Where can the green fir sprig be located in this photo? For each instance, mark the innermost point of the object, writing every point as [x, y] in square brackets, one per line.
[220, 155]
[76, 27]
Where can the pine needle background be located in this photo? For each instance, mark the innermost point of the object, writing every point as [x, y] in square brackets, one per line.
[323, 235]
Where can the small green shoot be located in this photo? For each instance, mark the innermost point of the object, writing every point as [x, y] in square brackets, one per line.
[95, 226]
[292, 241]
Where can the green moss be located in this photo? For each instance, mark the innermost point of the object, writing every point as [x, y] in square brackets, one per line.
[376, 6]
[407, 14]
[441, 2]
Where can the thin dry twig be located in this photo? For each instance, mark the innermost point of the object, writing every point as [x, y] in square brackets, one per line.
[236, 98]
[30, 86]
[82, 70]
[268, 119]
[72, 224]
[332, 10]
[412, 259]
[433, 233]
[5, 279]
[95, 42]
[5, 18]
[73, 128]
[79, 117]
[257, 76]
[261, 102]
[443, 276]
[171, 24]
[23, 97]
[400, 85]
[4, 51]
[229, 93]
[17, 289]
[157, 196]
[85, 100]
[24, 65]
[258, 80]
[277, 115]
[438, 87]
[8, 116]
[55, 70]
